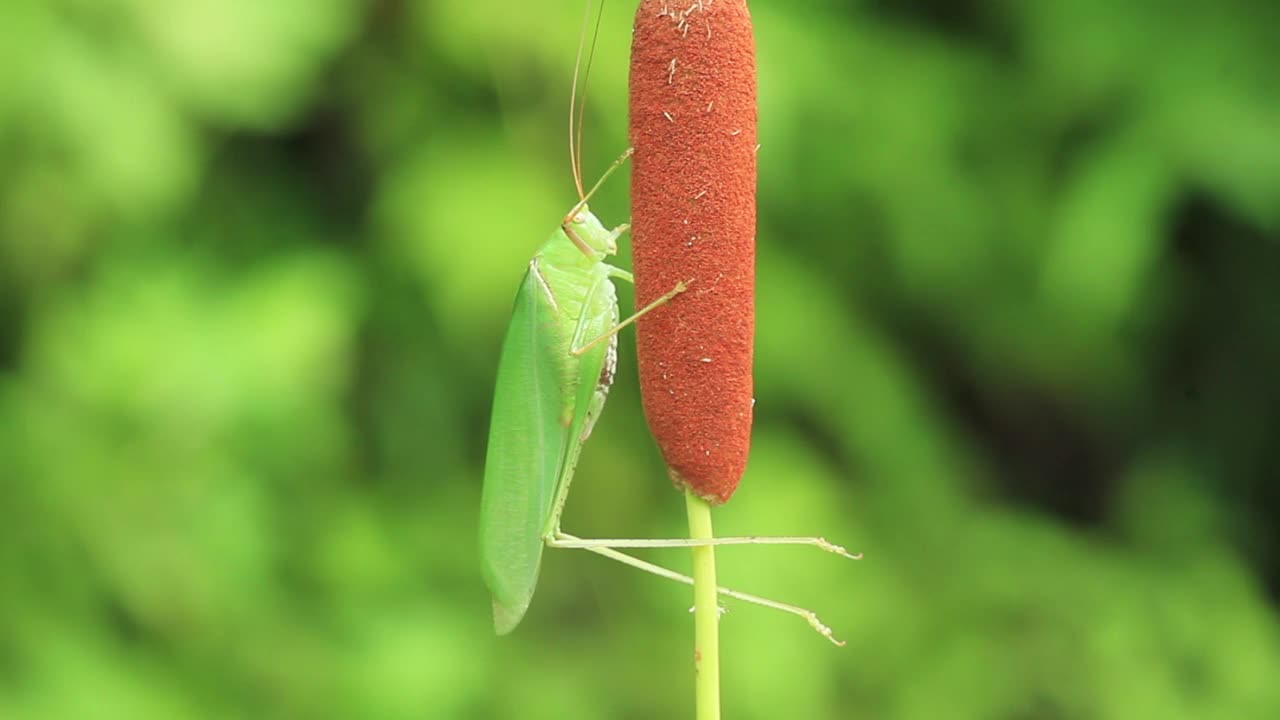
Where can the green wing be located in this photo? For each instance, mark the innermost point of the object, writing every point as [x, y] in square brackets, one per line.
[527, 443]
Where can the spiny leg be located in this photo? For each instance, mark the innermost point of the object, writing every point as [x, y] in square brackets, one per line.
[679, 288]
[809, 616]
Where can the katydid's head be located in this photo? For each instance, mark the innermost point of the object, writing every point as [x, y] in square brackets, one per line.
[586, 227]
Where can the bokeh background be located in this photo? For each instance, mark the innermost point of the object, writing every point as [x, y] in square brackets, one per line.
[1019, 325]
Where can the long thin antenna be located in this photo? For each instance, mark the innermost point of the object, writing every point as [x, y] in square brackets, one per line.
[586, 75]
[574, 156]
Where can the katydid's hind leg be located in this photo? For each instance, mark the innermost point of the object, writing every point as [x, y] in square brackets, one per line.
[567, 541]
[808, 615]
[679, 288]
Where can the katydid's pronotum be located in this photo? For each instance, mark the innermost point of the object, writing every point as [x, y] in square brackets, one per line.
[556, 367]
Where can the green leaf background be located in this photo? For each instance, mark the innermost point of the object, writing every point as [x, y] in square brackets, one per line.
[1018, 298]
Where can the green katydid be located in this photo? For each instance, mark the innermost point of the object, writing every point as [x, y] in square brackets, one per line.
[557, 364]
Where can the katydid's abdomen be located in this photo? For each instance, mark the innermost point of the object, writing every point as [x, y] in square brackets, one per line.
[546, 401]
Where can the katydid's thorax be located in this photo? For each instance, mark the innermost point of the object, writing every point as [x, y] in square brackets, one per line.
[576, 290]
[580, 289]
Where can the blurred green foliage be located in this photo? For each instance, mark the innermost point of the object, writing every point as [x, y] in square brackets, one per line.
[1017, 335]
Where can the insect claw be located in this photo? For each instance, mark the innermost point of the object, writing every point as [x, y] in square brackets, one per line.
[824, 631]
[831, 547]
[837, 549]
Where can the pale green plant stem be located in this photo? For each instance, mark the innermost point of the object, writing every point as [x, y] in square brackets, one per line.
[706, 612]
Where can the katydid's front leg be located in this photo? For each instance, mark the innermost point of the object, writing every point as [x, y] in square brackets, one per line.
[567, 223]
[624, 275]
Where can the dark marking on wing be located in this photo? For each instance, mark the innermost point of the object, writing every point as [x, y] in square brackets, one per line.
[610, 366]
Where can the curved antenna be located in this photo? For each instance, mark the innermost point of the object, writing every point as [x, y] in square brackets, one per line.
[575, 134]
[573, 101]
[586, 75]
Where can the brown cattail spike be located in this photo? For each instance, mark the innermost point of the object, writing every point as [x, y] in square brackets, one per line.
[693, 205]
